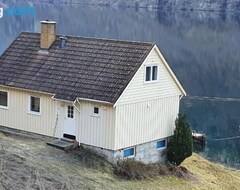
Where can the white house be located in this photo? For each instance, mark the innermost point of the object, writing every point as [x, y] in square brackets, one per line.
[118, 98]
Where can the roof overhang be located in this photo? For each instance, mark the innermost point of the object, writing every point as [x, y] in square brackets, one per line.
[167, 67]
[96, 101]
[170, 71]
[26, 90]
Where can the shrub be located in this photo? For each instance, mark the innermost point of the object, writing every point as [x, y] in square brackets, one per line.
[181, 144]
[135, 170]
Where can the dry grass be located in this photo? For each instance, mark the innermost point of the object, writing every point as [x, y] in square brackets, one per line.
[212, 176]
[136, 170]
[207, 175]
[27, 163]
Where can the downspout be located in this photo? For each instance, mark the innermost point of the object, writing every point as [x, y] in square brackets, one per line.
[77, 121]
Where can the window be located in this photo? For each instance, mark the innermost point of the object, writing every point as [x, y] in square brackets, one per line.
[154, 73]
[148, 73]
[70, 113]
[3, 99]
[130, 152]
[96, 110]
[35, 104]
[161, 144]
[151, 73]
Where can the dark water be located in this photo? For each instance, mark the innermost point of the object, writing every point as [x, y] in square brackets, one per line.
[203, 48]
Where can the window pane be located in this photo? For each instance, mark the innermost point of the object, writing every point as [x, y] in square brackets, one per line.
[154, 72]
[148, 73]
[96, 110]
[35, 104]
[128, 152]
[161, 144]
[3, 99]
[70, 112]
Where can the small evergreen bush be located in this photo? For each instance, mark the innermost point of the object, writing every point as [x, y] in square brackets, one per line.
[181, 144]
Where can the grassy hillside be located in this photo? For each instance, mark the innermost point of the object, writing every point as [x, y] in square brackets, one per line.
[27, 163]
[212, 176]
[207, 176]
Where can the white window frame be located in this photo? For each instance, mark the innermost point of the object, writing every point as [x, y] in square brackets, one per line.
[145, 73]
[161, 147]
[73, 115]
[29, 105]
[5, 107]
[134, 152]
[96, 114]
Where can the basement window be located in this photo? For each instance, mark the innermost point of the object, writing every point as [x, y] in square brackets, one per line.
[161, 144]
[3, 99]
[151, 73]
[34, 104]
[129, 153]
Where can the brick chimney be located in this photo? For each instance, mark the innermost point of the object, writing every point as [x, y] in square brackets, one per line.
[48, 34]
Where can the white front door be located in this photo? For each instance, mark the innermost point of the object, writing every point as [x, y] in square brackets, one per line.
[69, 125]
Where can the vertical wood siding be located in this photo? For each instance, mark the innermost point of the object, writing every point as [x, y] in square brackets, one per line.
[145, 121]
[17, 115]
[146, 111]
[96, 130]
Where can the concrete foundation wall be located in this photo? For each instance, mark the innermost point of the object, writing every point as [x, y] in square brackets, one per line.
[147, 153]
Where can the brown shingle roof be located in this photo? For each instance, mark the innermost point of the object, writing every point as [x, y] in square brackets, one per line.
[90, 68]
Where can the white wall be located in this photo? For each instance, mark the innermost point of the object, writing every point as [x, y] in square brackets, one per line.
[145, 121]
[96, 130]
[17, 115]
[92, 130]
[146, 111]
[139, 90]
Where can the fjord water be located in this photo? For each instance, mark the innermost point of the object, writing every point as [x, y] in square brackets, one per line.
[203, 49]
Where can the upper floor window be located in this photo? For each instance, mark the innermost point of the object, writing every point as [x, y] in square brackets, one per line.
[151, 73]
[3, 99]
[34, 104]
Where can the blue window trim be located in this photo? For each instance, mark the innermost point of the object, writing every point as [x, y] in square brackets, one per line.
[161, 144]
[129, 152]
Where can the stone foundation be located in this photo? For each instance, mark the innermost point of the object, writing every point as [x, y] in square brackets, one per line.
[146, 152]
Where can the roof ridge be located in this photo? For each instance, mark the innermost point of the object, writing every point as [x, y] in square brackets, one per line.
[97, 38]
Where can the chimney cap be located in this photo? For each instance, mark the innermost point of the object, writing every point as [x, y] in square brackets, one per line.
[63, 37]
[48, 22]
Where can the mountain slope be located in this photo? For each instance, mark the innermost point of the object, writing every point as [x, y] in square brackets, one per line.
[218, 5]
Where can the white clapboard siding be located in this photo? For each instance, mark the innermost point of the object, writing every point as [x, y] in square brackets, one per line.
[17, 115]
[96, 130]
[145, 121]
[138, 89]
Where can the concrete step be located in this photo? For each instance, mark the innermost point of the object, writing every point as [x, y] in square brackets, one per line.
[67, 140]
[63, 144]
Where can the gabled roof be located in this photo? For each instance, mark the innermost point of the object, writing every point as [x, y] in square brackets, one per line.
[87, 68]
